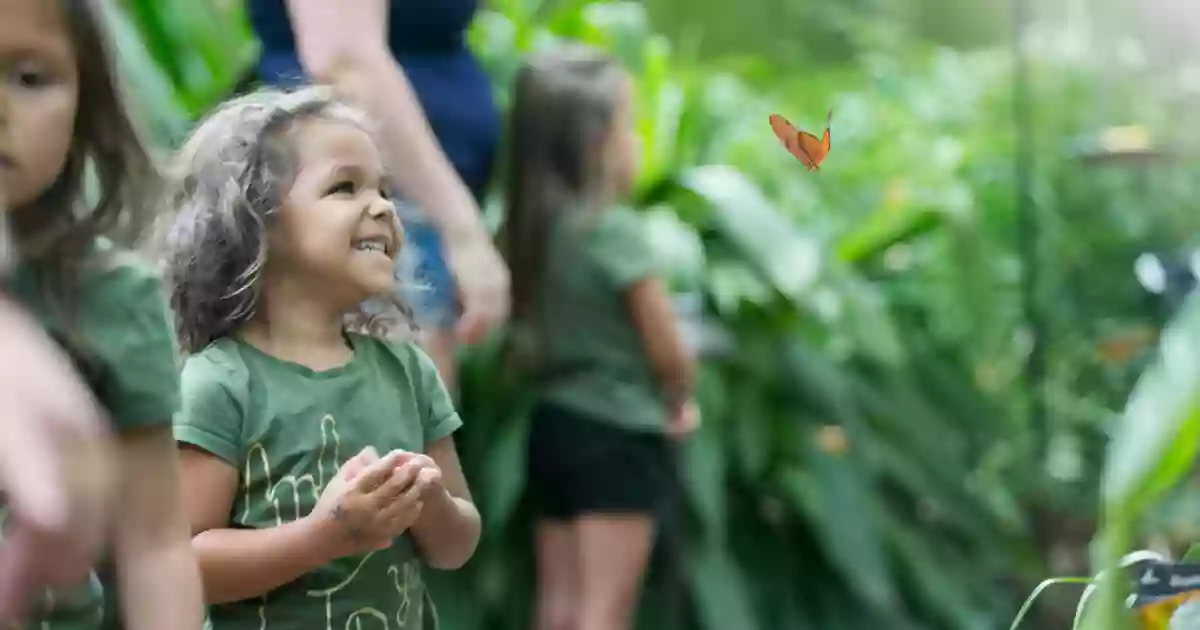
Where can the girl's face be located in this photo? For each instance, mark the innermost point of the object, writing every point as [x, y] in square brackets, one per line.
[39, 94]
[623, 152]
[337, 231]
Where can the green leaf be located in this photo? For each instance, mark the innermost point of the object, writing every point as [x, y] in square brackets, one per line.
[703, 466]
[1156, 440]
[883, 229]
[153, 95]
[936, 581]
[752, 432]
[836, 498]
[720, 586]
[505, 468]
[789, 260]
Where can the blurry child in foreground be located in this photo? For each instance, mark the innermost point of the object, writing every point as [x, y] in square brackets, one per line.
[595, 322]
[61, 112]
[318, 454]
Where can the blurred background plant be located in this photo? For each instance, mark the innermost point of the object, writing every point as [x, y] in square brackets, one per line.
[867, 457]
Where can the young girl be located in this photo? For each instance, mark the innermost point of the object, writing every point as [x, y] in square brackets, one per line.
[319, 469]
[594, 317]
[60, 113]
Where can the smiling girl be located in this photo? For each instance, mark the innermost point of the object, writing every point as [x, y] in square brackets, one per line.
[293, 390]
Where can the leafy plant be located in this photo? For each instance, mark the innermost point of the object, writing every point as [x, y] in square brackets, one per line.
[866, 458]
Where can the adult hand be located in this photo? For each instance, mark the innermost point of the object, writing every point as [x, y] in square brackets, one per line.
[483, 286]
[57, 467]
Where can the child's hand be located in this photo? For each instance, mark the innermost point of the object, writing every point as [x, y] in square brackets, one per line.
[429, 476]
[367, 504]
[685, 421]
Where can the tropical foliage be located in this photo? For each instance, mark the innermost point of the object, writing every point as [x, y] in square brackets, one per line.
[867, 456]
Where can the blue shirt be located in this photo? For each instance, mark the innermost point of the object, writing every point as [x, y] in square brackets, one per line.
[428, 38]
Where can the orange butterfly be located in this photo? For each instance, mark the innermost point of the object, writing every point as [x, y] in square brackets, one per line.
[805, 146]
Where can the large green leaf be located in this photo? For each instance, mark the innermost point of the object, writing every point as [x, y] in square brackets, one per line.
[504, 469]
[834, 495]
[791, 261]
[153, 94]
[1152, 447]
[1158, 435]
[720, 587]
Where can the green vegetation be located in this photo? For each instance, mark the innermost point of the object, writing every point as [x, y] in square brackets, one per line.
[867, 459]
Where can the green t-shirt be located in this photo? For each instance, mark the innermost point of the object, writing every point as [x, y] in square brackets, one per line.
[590, 355]
[287, 429]
[123, 338]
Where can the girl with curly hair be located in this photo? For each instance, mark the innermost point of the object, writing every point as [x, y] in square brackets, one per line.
[281, 265]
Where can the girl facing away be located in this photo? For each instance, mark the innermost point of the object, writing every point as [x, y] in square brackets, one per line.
[594, 318]
[60, 113]
[320, 472]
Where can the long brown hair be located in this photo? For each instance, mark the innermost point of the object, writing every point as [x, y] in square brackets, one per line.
[57, 231]
[562, 114]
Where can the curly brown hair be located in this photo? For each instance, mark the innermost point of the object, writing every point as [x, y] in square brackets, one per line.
[225, 187]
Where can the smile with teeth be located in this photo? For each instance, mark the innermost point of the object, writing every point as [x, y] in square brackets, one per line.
[372, 246]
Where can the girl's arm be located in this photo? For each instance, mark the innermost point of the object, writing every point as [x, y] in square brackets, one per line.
[155, 565]
[238, 564]
[655, 319]
[358, 511]
[449, 527]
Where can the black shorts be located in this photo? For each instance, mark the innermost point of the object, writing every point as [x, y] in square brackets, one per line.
[579, 465]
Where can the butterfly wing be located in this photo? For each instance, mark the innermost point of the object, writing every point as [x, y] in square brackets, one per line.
[827, 141]
[790, 137]
[812, 147]
[806, 147]
[782, 128]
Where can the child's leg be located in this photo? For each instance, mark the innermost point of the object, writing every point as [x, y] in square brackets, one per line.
[609, 484]
[614, 551]
[550, 451]
[557, 575]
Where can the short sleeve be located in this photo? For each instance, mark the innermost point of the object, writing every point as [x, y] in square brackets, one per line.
[620, 248]
[210, 414]
[131, 333]
[438, 416]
